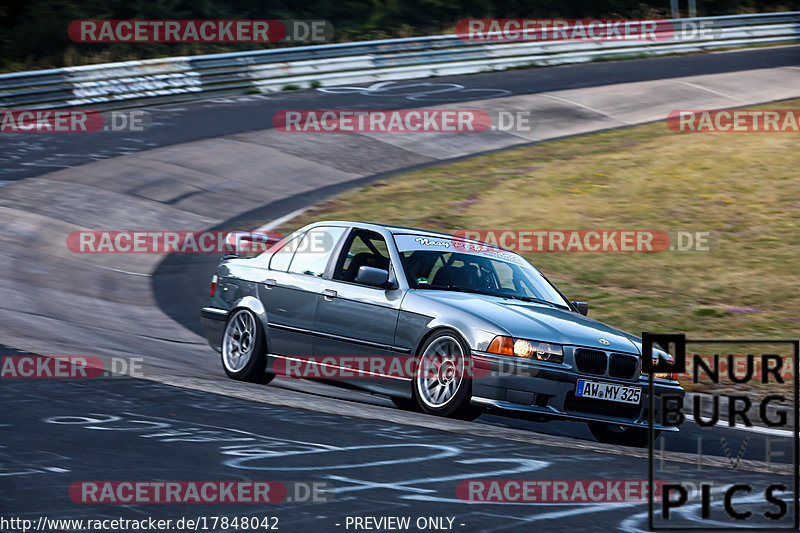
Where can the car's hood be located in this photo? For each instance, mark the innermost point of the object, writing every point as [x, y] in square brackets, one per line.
[537, 321]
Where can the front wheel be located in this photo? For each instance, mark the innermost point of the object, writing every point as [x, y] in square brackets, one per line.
[623, 435]
[244, 350]
[442, 385]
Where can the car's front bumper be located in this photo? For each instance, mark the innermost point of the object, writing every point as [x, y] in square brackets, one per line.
[548, 391]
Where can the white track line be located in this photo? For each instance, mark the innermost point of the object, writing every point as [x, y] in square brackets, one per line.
[690, 84]
[284, 219]
[123, 271]
[586, 107]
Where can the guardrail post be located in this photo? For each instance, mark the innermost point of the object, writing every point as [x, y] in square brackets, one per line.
[676, 12]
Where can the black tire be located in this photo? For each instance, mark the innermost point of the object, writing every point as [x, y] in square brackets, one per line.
[243, 334]
[458, 404]
[624, 436]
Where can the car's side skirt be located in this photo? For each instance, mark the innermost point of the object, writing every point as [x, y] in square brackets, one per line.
[399, 349]
[331, 366]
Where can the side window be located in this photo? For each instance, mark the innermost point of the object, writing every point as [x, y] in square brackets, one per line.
[280, 260]
[314, 251]
[366, 248]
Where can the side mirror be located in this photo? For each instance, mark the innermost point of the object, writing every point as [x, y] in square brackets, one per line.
[583, 307]
[374, 277]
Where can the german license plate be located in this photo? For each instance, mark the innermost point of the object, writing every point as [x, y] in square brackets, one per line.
[607, 391]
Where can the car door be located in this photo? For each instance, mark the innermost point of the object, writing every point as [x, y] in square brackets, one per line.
[354, 319]
[291, 287]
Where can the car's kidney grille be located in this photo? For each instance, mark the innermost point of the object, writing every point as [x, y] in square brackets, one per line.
[591, 361]
[622, 366]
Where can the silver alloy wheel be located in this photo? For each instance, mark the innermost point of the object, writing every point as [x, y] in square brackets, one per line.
[239, 341]
[440, 373]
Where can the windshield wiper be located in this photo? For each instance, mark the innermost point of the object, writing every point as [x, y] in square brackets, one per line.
[532, 299]
[457, 289]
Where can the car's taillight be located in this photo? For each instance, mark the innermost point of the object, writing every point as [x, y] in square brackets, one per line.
[213, 285]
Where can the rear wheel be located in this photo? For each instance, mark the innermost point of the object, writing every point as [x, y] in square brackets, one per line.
[442, 385]
[623, 435]
[244, 350]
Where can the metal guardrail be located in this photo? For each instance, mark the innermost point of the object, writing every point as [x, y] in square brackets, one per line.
[126, 83]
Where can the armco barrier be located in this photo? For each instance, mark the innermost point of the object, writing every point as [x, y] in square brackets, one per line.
[177, 78]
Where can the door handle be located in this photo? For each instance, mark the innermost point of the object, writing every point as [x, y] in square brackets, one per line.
[329, 293]
[270, 282]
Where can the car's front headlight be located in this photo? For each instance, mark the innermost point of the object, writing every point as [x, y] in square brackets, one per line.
[657, 353]
[528, 349]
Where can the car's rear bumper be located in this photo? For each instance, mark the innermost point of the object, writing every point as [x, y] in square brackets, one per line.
[213, 321]
[549, 391]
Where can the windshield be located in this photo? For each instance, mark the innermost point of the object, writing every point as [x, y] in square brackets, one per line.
[496, 273]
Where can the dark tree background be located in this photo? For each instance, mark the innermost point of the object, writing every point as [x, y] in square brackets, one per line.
[33, 33]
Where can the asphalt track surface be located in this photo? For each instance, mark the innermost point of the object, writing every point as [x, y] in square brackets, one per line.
[51, 456]
[143, 431]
